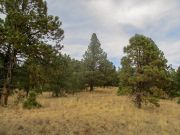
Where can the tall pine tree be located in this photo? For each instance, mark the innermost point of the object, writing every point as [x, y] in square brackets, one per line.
[99, 71]
[144, 70]
[92, 58]
[27, 27]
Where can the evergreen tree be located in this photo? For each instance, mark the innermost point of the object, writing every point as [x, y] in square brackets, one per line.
[99, 71]
[27, 27]
[171, 84]
[65, 76]
[144, 70]
[177, 82]
[108, 75]
[92, 58]
[76, 79]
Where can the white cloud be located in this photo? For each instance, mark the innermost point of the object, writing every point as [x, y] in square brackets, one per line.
[171, 51]
[115, 21]
[75, 50]
[137, 13]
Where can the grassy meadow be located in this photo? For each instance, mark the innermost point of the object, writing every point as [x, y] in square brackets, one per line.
[101, 112]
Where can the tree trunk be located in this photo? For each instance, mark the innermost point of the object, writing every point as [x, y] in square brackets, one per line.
[8, 66]
[4, 95]
[5, 92]
[7, 79]
[138, 100]
[27, 92]
[91, 87]
[0, 96]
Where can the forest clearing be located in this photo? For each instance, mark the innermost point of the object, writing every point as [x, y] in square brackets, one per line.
[89, 67]
[91, 113]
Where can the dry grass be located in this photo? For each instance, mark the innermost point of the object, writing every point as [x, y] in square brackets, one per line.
[97, 113]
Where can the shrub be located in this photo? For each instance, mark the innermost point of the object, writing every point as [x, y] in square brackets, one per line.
[158, 93]
[31, 102]
[178, 100]
[19, 96]
[124, 91]
[139, 99]
[154, 101]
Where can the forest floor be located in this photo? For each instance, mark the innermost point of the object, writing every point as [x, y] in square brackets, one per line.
[101, 112]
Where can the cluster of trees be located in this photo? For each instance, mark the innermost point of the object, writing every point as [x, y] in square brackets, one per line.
[145, 74]
[24, 35]
[31, 57]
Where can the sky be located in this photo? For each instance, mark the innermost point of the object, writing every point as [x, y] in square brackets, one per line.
[115, 21]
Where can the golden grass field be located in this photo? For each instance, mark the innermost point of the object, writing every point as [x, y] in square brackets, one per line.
[97, 113]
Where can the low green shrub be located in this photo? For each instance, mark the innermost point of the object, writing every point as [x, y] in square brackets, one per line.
[158, 93]
[19, 96]
[178, 100]
[154, 101]
[30, 102]
[124, 91]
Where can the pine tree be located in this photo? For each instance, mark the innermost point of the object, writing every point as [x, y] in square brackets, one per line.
[99, 71]
[27, 27]
[108, 75]
[144, 70]
[177, 82]
[92, 58]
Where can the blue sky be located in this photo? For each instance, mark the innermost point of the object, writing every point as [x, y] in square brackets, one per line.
[115, 21]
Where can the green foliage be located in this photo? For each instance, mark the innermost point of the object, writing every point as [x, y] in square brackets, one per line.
[177, 82]
[19, 96]
[140, 99]
[91, 60]
[173, 84]
[178, 100]
[76, 77]
[156, 92]
[124, 91]
[61, 74]
[29, 62]
[154, 101]
[107, 73]
[65, 75]
[24, 34]
[1, 70]
[144, 70]
[31, 102]
[99, 71]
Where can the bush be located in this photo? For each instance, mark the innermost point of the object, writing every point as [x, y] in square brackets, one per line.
[139, 99]
[19, 96]
[124, 91]
[158, 93]
[154, 101]
[31, 102]
[178, 100]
